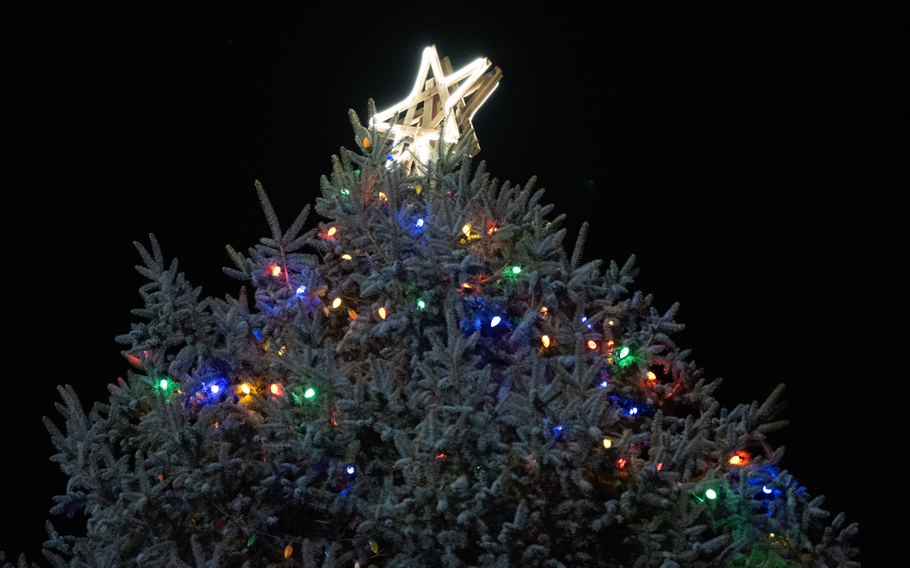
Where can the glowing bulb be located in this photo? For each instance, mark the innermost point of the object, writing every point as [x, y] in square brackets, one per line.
[310, 393]
[660, 465]
[214, 388]
[276, 389]
[288, 550]
[740, 458]
[592, 344]
[652, 376]
[516, 269]
[350, 469]
[163, 384]
[546, 340]
[346, 256]
[301, 290]
[610, 343]
[276, 270]
[621, 463]
[245, 388]
[610, 322]
[623, 352]
[710, 494]
[421, 304]
[420, 222]
[543, 312]
[336, 302]
[466, 229]
[366, 142]
[607, 442]
[353, 314]
[766, 490]
[332, 231]
[383, 197]
[634, 410]
[495, 321]
[382, 313]
[603, 384]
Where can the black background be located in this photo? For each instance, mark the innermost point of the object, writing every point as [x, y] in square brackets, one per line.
[726, 147]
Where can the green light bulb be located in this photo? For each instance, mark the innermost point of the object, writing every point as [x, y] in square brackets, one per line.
[421, 304]
[710, 494]
[623, 352]
[516, 269]
[310, 393]
[163, 384]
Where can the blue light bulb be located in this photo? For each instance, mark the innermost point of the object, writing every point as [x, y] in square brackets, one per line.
[765, 489]
[495, 321]
[350, 469]
[301, 290]
[420, 222]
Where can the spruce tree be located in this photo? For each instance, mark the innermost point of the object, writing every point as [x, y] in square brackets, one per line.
[436, 382]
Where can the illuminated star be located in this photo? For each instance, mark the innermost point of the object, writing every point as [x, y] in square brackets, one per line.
[434, 98]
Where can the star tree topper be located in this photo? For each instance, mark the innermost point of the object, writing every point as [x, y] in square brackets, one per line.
[436, 97]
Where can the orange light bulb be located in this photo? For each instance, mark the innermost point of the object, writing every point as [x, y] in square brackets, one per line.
[652, 376]
[592, 344]
[332, 231]
[546, 340]
[382, 313]
[276, 270]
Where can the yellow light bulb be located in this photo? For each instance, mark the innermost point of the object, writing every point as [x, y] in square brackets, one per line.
[546, 340]
[276, 270]
[466, 229]
[592, 344]
[332, 231]
[652, 376]
[382, 313]
[382, 196]
[607, 442]
[346, 256]
[419, 188]
[245, 388]
[336, 303]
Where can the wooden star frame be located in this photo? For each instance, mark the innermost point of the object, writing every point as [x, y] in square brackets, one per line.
[434, 98]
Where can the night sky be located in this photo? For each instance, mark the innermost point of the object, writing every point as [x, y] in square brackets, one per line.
[719, 145]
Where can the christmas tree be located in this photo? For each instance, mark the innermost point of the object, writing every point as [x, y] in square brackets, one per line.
[437, 382]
